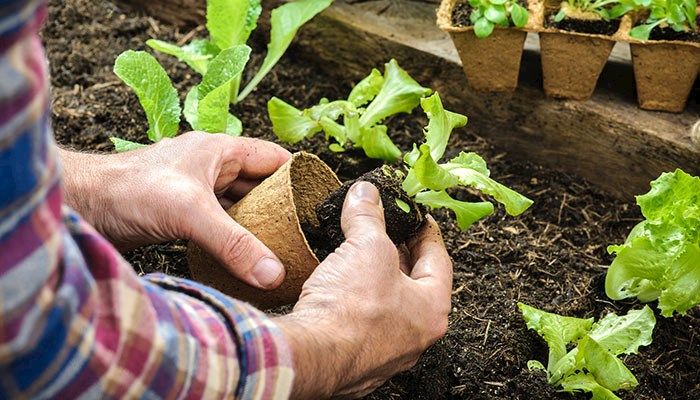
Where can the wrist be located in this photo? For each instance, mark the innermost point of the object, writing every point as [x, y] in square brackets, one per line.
[322, 353]
[90, 185]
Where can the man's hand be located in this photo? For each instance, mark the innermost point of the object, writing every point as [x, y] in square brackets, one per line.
[364, 315]
[175, 189]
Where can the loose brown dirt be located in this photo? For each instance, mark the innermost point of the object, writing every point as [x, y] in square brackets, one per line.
[552, 257]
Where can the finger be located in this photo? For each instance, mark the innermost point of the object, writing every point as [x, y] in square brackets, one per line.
[240, 188]
[256, 158]
[431, 262]
[238, 250]
[362, 212]
[404, 260]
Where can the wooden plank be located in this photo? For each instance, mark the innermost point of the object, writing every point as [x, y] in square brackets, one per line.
[607, 139]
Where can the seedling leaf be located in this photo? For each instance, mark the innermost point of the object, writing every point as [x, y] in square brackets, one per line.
[399, 94]
[230, 22]
[467, 213]
[285, 22]
[196, 54]
[121, 145]
[142, 73]
[661, 257]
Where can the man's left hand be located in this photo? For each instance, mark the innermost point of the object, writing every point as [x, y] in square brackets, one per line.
[177, 189]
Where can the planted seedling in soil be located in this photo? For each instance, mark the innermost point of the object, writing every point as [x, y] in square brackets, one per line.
[666, 20]
[221, 60]
[660, 260]
[421, 183]
[484, 15]
[583, 355]
[588, 16]
[354, 123]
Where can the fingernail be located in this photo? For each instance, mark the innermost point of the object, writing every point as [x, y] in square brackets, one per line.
[365, 191]
[267, 271]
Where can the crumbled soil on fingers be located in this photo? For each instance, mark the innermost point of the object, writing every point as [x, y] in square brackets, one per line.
[552, 257]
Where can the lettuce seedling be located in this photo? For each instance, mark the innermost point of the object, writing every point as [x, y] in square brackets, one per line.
[371, 101]
[230, 23]
[377, 97]
[206, 106]
[221, 60]
[679, 15]
[661, 257]
[604, 9]
[427, 180]
[583, 354]
[486, 14]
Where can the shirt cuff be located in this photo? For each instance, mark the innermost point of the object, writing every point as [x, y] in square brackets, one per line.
[264, 355]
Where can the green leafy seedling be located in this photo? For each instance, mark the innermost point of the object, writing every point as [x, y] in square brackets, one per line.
[377, 97]
[357, 121]
[487, 14]
[230, 23]
[602, 9]
[660, 260]
[583, 354]
[221, 60]
[679, 15]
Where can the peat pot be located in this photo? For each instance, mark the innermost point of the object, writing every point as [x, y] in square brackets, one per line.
[491, 64]
[274, 212]
[572, 63]
[664, 73]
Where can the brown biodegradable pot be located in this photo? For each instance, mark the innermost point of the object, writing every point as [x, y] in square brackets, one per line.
[273, 212]
[572, 63]
[664, 73]
[491, 64]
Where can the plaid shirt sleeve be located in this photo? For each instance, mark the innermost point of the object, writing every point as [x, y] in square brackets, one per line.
[75, 320]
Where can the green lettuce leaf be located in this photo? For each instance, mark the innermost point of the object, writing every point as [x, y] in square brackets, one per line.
[121, 145]
[467, 213]
[230, 22]
[290, 124]
[430, 174]
[214, 93]
[440, 125]
[608, 370]
[285, 21]
[367, 89]
[399, 94]
[376, 144]
[659, 259]
[196, 54]
[556, 330]
[463, 169]
[591, 365]
[142, 73]
[582, 382]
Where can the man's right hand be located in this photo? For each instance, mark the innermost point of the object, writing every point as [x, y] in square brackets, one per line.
[366, 313]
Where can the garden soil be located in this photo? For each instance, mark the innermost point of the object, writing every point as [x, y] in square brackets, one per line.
[552, 257]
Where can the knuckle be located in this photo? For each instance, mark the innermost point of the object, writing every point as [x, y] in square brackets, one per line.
[238, 246]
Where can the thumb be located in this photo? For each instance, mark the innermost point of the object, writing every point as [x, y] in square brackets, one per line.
[363, 213]
[241, 253]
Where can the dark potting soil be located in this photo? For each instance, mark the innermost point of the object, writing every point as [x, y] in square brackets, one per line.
[585, 26]
[552, 257]
[401, 225]
[659, 33]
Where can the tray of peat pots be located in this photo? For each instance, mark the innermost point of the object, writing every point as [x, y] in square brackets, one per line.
[488, 39]
[665, 43]
[576, 38]
[296, 214]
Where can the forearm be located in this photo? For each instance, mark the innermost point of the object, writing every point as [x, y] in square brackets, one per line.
[318, 360]
[92, 186]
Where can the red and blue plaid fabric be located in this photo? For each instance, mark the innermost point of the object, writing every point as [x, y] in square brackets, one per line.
[75, 320]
